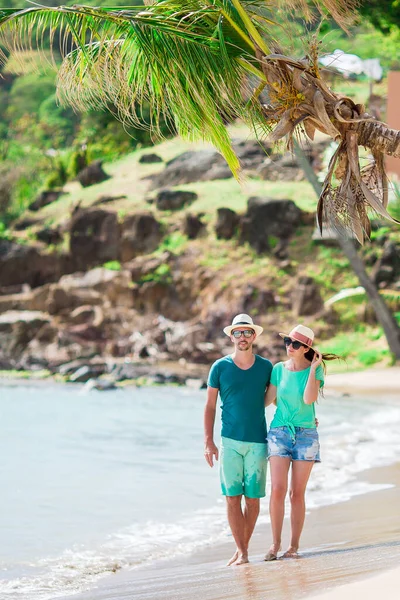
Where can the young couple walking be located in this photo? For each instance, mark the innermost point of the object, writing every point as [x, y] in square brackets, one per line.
[247, 383]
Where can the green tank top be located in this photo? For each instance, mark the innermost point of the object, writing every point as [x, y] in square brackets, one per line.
[291, 410]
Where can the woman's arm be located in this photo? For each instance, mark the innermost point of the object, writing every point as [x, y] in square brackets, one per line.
[270, 395]
[313, 384]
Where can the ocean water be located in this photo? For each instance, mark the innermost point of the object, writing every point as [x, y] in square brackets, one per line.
[94, 482]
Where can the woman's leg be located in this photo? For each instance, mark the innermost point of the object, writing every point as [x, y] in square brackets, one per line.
[301, 470]
[279, 468]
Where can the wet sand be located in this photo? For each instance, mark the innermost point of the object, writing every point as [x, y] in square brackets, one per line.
[342, 543]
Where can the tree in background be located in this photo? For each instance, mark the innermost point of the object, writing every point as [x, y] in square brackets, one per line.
[191, 59]
[383, 15]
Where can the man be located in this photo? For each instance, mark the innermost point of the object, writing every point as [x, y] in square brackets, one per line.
[241, 379]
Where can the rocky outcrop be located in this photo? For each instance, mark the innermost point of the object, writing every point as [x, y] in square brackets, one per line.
[141, 234]
[267, 217]
[114, 287]
[17, 329]
[49, 236]
[150, 157]
[94, 238]
[23, 264]
[92, 174]
[193, 226]
[202, 165]
[227, 223]
[306, 297]
[44, 198]
[174, 199]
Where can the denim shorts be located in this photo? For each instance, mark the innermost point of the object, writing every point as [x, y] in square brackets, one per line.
[304, 446]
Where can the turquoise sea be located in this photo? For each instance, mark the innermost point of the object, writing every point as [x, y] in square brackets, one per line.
[95, 482]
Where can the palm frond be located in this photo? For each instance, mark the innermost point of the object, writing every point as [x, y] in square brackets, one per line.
[196, 61]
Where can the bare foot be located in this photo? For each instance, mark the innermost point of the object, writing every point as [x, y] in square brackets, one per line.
[242, 559]
[233, 559]
[291, 552]
[272, 553]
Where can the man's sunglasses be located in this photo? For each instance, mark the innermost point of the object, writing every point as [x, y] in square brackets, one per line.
[247, 333]
[295, 344]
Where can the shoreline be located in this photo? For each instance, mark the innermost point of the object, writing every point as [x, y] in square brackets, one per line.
[342, 543]
[371, 381]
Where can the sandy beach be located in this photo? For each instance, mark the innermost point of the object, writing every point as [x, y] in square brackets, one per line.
[158, 516]
[342, 543]
[349, 549]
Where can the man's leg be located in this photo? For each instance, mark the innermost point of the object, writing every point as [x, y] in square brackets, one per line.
[237, 523]
[231, 474]
[255, 475]
[251, 512]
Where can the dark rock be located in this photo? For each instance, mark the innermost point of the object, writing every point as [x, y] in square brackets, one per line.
[73, 365]
[107, 199]
[94, 238]
[141, 234]
[92, 174]
[203, 165]
[87, 372]
[150, 157]
[49, 236]
[125, 372]
[17, 329]
[266, 217]
[192, 226]
[174, 199]
[24, 223]
[23, 264]
[306, 297]
[45, 198]
[227, 223]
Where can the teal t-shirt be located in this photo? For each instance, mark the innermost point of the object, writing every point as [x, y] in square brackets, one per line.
[291, 410]
[242, 395]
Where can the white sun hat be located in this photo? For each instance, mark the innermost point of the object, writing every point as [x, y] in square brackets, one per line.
[241, 321]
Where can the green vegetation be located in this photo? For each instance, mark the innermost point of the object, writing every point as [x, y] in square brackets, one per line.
[113, 265]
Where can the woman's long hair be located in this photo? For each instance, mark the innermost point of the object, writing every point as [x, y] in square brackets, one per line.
[309, 355]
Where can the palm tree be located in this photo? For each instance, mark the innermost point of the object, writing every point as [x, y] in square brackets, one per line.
[198, 61]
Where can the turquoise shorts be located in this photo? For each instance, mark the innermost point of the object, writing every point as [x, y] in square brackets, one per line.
[243, 468]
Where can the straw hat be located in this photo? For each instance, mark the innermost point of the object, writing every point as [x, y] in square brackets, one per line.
[302, 334]
[240, 321]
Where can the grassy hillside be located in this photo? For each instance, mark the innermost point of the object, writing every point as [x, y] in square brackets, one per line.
[354, 334]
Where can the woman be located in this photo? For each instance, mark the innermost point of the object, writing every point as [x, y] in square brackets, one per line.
[293, 437]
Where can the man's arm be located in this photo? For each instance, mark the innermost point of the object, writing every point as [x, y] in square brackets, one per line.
[270, 394]
[210, 449]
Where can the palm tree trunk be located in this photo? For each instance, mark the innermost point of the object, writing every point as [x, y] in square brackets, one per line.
[382, 312]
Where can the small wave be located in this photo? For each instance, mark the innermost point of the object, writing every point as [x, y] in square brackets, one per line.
[78, 569]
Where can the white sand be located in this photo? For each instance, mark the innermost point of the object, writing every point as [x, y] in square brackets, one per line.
[372, 381]
[385, 586]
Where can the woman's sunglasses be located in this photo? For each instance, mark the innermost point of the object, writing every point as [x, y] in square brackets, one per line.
[295, 344]
[247, 333]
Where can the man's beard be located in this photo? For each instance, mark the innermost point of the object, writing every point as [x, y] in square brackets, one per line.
[243, 347]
